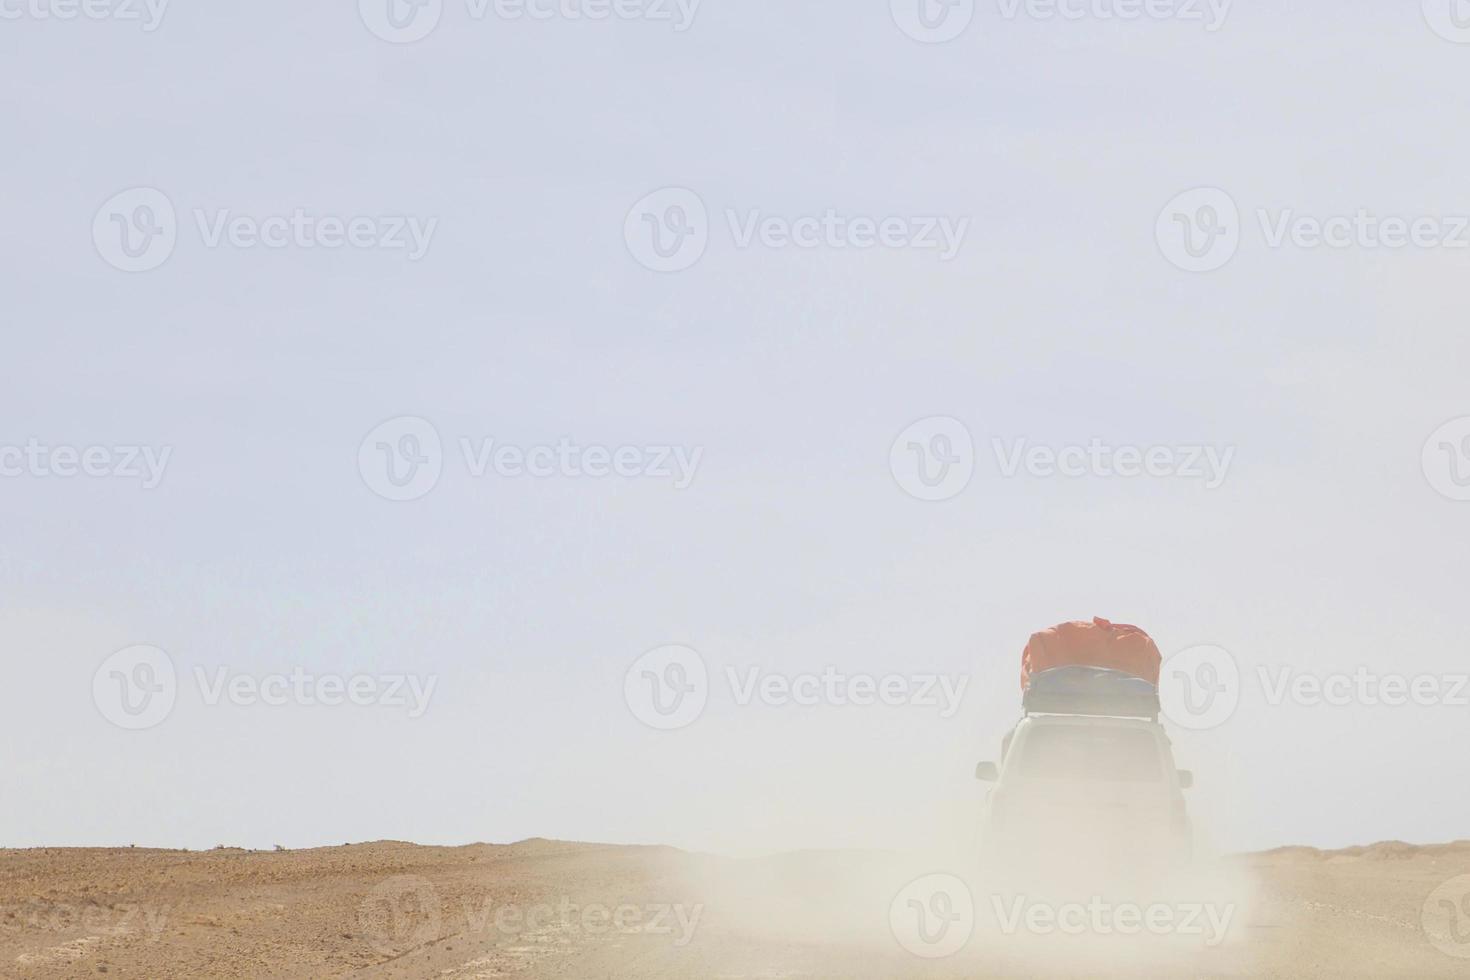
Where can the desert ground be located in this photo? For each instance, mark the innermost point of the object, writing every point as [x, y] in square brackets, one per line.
[548, 909]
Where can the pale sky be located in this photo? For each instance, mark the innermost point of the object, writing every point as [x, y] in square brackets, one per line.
[529, 319]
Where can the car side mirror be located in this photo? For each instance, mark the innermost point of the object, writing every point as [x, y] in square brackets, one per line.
[1186, 779]
[986, 772]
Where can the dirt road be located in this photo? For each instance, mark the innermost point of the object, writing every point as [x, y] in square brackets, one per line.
[545, 909]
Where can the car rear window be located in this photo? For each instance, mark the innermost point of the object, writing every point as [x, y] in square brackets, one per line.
[1091, 753]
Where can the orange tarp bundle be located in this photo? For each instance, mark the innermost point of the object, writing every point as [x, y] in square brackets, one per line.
[1095, 644]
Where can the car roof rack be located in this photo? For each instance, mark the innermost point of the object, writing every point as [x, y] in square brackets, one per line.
[1115, 705]
[1080, 689]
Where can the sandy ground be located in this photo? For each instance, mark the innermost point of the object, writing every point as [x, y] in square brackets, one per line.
[547, 909]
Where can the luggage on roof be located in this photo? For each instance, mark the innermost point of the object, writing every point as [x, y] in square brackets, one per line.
[1115, 646]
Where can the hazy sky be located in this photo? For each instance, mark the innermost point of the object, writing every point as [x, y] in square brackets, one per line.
[518, 148]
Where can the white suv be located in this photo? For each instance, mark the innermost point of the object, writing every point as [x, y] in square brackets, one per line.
[1097, 789]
